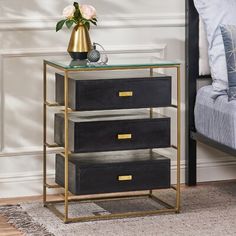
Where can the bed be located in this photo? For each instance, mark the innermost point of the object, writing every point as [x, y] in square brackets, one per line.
[217, 127]
[215, 118]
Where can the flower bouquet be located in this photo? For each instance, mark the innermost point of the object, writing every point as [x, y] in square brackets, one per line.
[82, 16]
[76, 14]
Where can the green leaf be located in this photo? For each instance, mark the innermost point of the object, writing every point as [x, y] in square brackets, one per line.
[60, 25]
[76, 5]
[69, 23]
[95, 19]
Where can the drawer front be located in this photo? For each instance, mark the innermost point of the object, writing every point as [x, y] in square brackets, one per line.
[122, 135]
[114, 135]
[118, 93]
[115, 178]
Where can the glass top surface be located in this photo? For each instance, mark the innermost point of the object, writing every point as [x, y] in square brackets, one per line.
[114, 61]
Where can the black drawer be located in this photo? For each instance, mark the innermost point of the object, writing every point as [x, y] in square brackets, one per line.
[114, 172]
[114, 133]
[115, 93]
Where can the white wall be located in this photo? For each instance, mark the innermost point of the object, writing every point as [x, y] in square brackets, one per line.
[27, 36]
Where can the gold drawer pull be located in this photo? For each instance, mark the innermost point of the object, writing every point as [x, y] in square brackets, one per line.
[125, 177]
[126, 94]
[124, 136]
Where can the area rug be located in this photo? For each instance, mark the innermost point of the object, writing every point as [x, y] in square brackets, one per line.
[206, 210]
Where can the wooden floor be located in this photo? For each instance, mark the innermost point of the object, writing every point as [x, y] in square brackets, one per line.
[7, 201]
[8, 230]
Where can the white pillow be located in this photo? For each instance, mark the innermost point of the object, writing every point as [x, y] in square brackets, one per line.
[204, 67]
[214, 13]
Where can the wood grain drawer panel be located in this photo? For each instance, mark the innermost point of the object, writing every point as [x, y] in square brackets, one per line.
[121, 172]
[124, 93]
[114, 134]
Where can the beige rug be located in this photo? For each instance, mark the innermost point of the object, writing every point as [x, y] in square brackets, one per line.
[206, 210]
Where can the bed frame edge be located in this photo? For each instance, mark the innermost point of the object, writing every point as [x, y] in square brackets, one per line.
[192, 72]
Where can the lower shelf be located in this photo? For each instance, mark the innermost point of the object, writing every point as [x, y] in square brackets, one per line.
[113, 207]
[95, 173]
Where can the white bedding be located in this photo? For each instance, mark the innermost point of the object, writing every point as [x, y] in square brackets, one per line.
[215, 118]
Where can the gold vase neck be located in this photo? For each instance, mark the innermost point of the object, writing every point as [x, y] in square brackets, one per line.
[80, 24]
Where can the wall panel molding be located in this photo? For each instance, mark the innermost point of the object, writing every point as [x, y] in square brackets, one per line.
[108, 21]
[110, 49]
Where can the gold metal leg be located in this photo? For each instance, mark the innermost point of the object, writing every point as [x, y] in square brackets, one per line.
[151, 116]
[178, 138]
[66, 144]
[44, 133]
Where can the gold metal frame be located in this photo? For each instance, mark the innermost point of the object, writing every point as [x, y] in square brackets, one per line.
[66, 198]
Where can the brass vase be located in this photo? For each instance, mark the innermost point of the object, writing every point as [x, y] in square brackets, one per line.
[80, 43]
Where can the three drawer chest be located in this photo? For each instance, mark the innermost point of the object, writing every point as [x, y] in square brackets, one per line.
[108, 129]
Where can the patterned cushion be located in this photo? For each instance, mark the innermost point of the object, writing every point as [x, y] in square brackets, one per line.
[229, 38]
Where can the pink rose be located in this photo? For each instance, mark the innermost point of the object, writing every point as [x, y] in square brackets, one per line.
[88, 12]
[68, 12]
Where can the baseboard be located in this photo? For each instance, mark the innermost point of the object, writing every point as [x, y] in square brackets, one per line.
[23, 184]
[216, 171]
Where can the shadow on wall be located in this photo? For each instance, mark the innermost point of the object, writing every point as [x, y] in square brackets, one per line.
[22, 74]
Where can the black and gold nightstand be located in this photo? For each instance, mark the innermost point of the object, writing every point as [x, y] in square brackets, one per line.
[108, 129]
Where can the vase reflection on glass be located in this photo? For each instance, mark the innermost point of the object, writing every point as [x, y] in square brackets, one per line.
[80, 43]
